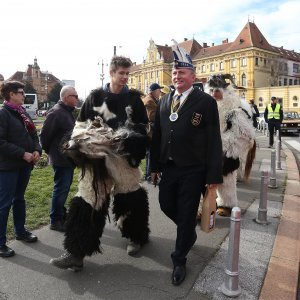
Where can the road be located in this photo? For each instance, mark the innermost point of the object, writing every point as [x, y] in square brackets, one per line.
[293, 143]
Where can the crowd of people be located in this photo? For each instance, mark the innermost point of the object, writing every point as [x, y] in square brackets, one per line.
[158, 126]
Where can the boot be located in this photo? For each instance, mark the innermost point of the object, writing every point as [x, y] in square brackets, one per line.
[68, 261]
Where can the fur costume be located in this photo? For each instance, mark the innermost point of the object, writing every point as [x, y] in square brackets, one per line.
[108, 160]
[238, 140]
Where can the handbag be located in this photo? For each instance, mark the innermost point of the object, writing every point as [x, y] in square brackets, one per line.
[208, 216]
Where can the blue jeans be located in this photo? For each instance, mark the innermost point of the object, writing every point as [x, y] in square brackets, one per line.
[63, 177]
[13, 185]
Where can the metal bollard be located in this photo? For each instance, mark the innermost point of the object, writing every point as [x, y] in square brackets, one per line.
[278, 147]
[230, 286]
[262, 209]
[272, 183]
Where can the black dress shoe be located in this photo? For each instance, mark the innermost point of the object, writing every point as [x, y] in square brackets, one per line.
[27, 237]
[58, 226]
[6, 251]
[178, 275]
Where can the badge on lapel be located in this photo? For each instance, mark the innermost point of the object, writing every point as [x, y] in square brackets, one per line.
[196, 119]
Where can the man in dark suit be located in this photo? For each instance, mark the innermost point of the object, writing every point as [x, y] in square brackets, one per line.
[186, 153]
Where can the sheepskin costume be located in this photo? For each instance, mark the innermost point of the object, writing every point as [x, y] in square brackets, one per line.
[238, 140]
[108, 163]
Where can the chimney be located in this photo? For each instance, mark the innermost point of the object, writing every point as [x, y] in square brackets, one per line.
[204, 45]
[166, 45]
[185, 39]
[212, 44]
[225, 41]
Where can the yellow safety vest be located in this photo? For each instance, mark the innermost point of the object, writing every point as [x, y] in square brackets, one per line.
[274, 114]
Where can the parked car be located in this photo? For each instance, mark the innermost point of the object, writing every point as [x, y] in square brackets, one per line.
[290, 122]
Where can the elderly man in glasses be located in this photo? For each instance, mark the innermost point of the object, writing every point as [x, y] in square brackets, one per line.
[59, 122]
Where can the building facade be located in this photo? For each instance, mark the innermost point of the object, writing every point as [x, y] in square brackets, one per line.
[42, 81]
[264, 70]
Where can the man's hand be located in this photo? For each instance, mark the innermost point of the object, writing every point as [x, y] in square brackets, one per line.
[36, 156]
[212, 186]
[28, 157]
[155, 176]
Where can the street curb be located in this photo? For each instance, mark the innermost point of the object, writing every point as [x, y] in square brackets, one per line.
[281, 280]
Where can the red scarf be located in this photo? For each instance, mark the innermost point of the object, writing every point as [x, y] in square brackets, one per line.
[29, 125]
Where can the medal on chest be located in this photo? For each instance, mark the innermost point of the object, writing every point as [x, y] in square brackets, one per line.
[173, 116]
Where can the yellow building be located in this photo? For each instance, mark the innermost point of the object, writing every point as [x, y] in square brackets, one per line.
[264, 70]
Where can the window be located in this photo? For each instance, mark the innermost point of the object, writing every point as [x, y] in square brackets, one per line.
[284, 81]
[265, 62]
[212, 67]
[256, 61]
[285, 67]
[243, 80]
[233, 63]
[296, 68]
[221, 65]
[295, 82]
[243, 61]
[203, 68]
[290, 81]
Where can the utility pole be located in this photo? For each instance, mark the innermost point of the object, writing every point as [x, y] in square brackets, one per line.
[102, 71]
[115, 50]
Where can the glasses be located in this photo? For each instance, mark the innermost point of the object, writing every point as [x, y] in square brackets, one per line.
[76, 96]
[20, 92]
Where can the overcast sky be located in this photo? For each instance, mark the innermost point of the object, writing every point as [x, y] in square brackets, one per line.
[70, 38]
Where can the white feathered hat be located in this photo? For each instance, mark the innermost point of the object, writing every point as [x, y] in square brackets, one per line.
[182, 59]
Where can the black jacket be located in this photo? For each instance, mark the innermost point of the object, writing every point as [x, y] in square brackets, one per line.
[15, 140]
[56, 130]
[193, 139]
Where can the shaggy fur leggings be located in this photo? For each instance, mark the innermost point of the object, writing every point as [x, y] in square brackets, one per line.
[84, 225]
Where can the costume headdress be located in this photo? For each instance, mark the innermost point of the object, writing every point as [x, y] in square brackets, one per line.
[218, 81]
[181, 58]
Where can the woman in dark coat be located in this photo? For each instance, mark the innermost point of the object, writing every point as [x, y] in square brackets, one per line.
[19, 151]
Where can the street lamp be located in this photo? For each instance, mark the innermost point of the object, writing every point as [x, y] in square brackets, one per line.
[115, 50]
[102, 71]
[46, 88]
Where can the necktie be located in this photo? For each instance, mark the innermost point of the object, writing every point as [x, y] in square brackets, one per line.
[177, 103]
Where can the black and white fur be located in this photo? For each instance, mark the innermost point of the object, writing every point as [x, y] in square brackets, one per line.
[108, 161]
[238, 138]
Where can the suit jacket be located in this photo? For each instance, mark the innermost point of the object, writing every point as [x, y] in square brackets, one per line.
[193, 139]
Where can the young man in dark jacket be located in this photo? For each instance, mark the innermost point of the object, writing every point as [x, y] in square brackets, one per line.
[59, 122]
[117, 106]
[19, 151]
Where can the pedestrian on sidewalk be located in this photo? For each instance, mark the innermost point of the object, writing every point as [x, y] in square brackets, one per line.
[58, 125]
[116, 106]
[151, 102]
[273, 116]
[19, 151]
[186, 152]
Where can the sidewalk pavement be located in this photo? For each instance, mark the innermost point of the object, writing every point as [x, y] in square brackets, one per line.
[269, 254]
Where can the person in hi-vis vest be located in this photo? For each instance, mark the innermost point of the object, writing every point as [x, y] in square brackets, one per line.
[273, 116]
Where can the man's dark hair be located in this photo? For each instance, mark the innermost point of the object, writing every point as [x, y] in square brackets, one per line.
[10, 86]
[119, 61]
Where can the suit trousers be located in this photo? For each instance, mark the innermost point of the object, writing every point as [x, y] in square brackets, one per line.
[180, 189]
